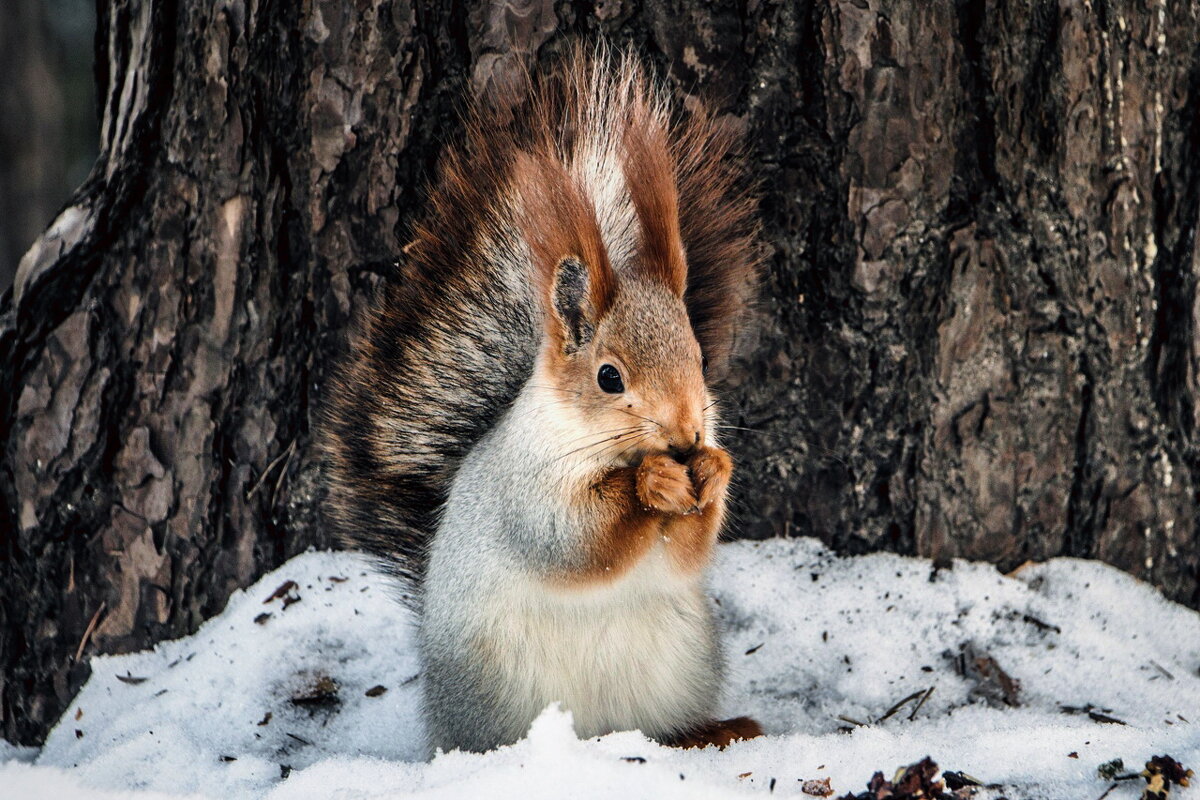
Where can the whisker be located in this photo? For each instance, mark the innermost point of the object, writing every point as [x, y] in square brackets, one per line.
[724, 427]
[553, 388]
[619, 442]
[597, 443]
[633, 443]
[824, 451]
[639, 416]
[617, 431]
[610, 442]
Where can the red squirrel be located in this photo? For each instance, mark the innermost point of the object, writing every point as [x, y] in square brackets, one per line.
[523, 430]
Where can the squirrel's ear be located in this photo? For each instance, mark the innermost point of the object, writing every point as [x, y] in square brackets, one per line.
[571, 299]
[650, 177]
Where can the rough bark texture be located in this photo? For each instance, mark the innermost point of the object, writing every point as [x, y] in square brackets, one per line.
[976, 336]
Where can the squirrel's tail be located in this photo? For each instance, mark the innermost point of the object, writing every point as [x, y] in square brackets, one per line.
[446, 346]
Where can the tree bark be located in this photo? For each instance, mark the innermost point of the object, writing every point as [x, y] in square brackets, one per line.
[975, 336]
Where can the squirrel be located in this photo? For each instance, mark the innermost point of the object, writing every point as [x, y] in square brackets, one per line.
[522, 430]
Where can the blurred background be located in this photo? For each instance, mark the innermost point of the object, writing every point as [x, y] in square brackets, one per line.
[48, 117]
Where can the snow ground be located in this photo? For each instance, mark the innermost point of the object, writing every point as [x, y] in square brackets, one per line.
[814, 640]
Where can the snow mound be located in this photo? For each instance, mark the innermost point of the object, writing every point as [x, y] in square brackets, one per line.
[307, 686]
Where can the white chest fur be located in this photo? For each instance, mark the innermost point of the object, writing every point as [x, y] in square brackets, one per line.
[636, 653]
[502, 639]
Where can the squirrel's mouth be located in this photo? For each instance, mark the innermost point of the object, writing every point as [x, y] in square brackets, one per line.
[632, 452]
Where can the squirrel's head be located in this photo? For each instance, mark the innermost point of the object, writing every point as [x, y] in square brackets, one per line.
[619, 347]
[625, 360]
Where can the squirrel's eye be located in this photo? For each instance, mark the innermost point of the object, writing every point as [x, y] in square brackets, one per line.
[609, 379]
[704, 365]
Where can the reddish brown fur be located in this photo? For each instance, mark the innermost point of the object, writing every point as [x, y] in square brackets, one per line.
[559, 222]
[650, 176]
[690, 538]
[682, 505]
[719, 226]
[624, 530]
[720, 733]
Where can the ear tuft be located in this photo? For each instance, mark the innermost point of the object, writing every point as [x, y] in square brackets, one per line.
[572, 303]
[650, 176]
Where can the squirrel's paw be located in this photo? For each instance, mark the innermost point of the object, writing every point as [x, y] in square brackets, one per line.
[665, 485]
[711, 469]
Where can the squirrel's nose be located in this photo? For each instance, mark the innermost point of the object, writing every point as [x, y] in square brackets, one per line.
[683, 444]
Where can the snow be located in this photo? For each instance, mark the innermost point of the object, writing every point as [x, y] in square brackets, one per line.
[820, 648]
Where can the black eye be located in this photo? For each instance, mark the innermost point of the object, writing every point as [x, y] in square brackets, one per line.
[610, 380]
[704, 364]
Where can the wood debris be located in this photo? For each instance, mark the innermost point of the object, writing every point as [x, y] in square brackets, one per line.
[914, 782]
[286, 591]
[992, 684]
[817, 787]
[1095, 714]
[1161, 774]
[323, 691]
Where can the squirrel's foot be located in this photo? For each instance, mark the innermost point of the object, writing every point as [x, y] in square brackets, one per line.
[665, 485]
[717, 732]
[710, 469]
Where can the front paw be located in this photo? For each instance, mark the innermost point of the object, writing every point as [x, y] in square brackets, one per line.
[711, 469]
[665, 485]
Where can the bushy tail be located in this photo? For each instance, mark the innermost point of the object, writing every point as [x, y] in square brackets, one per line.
[444, 349]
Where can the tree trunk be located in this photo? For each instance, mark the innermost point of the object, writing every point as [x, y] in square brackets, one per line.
[976, 335]
[31, 132]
